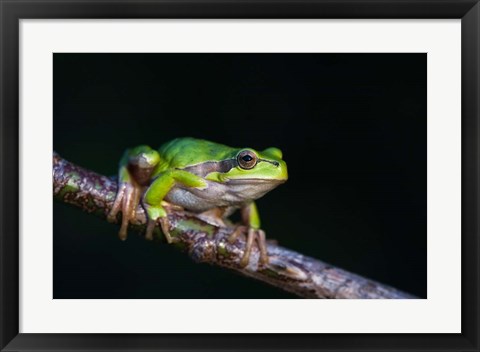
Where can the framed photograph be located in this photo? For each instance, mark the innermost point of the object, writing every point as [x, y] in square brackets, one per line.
[239, 176]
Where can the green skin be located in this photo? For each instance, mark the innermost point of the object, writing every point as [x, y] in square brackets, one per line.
[200, 176]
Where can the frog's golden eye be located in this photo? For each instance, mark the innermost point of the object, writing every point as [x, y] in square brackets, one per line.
[247, 159]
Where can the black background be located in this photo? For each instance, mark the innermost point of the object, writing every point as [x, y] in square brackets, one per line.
[352, 128]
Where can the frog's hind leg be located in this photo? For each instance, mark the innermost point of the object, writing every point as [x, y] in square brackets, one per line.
[136, 168]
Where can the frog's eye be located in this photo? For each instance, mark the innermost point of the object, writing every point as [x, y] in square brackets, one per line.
[247, 159]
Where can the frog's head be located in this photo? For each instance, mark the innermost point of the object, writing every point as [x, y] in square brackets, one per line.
[264, 170]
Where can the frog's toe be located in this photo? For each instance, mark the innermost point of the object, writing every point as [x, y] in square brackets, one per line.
[262, 246]
[248, 248]
[257, 235]
[239, 230]
[117, 204]
[126, 201]
[150, 227]
[164, 225]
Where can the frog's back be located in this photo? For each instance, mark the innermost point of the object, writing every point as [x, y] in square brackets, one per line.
[187, 151]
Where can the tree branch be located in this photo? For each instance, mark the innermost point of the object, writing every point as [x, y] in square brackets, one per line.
[291, 271]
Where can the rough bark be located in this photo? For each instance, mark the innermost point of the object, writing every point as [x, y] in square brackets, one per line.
[291, 271]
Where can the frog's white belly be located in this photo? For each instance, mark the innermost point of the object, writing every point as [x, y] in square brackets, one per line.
[233, 193]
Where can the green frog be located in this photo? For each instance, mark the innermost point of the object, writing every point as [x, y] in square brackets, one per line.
[207, 178]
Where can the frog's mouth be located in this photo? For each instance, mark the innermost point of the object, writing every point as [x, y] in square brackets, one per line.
[252, 181]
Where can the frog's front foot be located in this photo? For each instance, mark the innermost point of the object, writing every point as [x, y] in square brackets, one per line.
[126, 201]
[160, 215]
[252, 235]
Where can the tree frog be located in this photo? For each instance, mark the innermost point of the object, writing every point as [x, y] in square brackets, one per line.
[202, 177]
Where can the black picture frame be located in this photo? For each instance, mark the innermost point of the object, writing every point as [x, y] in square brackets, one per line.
[12, 11]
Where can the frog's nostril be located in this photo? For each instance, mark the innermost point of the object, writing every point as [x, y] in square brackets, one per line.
[276, 163]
